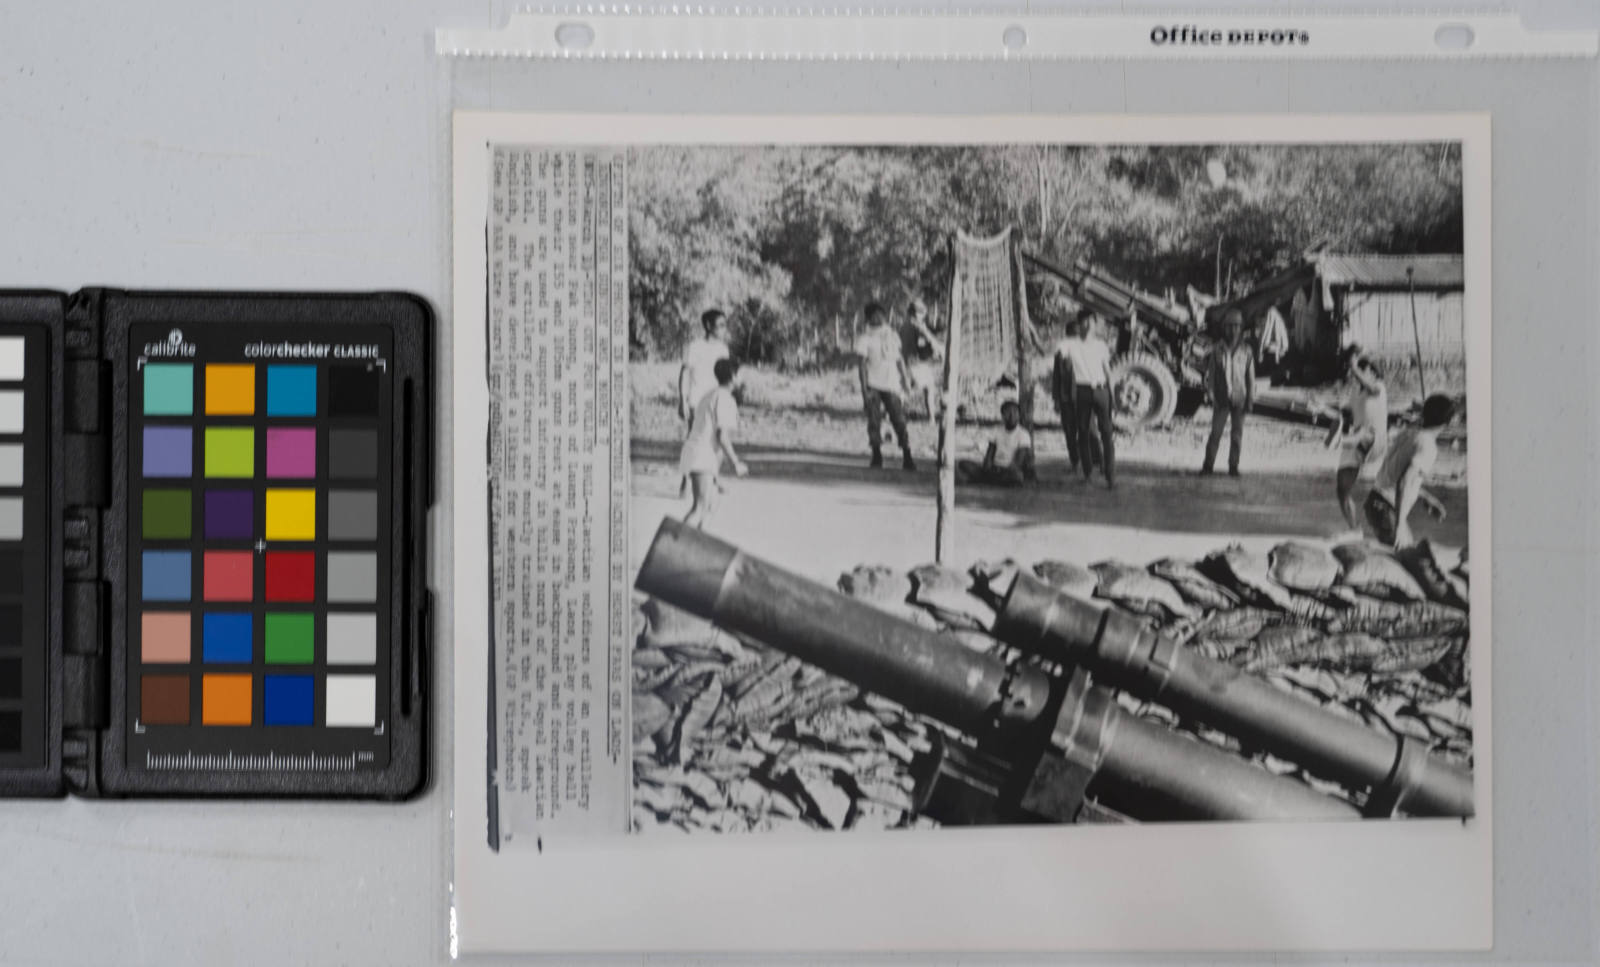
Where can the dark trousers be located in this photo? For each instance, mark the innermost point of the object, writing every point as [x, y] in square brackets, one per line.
[877, 401]
[1382, 518]
[1067, 407]
[1094, 406]
[1221, 413]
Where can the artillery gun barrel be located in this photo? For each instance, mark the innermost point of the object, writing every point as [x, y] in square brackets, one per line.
[1125, 653]
[921, 670]
[1142, 767]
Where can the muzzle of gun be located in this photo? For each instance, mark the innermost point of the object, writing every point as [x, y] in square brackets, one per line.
[1396, 774]
[1029, 741]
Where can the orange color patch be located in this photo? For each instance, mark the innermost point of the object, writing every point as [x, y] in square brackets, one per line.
[225, 700]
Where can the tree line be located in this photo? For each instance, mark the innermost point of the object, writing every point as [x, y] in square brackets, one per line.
[793, 241]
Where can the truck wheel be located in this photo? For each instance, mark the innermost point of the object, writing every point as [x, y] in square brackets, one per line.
[1143, 392]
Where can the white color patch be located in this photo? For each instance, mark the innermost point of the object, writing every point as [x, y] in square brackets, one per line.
[352, 701]
[13, 359]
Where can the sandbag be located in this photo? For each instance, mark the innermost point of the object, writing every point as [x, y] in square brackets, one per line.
[1193, 585]
[1138, 588]
[1067, 577]
[1376, 572]
[1303, 567]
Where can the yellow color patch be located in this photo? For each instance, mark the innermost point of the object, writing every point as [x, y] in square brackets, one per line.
[230, 389]
[291, 515]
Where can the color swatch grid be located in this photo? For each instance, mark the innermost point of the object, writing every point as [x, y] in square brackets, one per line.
[13, 693]
[258, 519]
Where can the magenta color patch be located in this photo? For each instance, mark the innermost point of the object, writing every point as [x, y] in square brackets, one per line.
[291, 452]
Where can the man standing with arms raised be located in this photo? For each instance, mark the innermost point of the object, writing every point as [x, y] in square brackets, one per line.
[924, 352]
[1398, 488]
[883, 379]
[1232, 381]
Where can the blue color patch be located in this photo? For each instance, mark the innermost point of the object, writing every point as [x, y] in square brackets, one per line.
[291, 391]
[166, 576]
[287, 700]
[225, 638]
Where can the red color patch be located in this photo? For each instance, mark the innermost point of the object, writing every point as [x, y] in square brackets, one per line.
[291, 575]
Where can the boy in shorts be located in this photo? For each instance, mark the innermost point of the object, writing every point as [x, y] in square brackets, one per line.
[1399, 484]
[711, 427]
[1366, 435]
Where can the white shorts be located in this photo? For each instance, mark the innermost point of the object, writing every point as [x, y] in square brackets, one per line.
[1362, 456]
[926, 375]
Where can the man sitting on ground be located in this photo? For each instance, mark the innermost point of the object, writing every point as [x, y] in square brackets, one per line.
[1008, 462]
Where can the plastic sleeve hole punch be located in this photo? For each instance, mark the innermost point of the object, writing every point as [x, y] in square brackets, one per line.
[1014, 38]
[574, 36]
[1454, 36]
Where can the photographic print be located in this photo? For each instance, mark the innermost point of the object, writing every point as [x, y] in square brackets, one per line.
[995, 483]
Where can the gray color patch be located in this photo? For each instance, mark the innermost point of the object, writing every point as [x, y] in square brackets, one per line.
[352, 454]
[11, 465]
[352, 515]
[10, 518]
[352, 576]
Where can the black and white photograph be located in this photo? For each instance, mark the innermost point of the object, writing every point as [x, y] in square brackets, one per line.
[1058, 483]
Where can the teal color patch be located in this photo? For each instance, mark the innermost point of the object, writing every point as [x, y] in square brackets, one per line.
[168, 389]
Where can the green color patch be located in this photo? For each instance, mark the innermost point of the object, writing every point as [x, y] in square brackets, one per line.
[289, 639]
[167, 514]
[168, 389]
[230, 451]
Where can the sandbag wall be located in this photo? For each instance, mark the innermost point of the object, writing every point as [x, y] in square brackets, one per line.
[732, 736]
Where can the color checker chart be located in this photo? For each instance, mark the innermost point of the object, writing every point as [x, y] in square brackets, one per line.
[260, 484]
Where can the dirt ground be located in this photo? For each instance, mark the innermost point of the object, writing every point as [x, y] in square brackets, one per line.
[811, 503]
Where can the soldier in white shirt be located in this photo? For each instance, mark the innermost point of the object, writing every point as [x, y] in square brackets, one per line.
[884, 379]
[1089, 361]
[1008, 461]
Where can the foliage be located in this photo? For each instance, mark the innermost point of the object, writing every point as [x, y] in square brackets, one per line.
[793, 242]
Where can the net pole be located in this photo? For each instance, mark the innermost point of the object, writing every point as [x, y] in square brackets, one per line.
[1024, 332]
[944, 519]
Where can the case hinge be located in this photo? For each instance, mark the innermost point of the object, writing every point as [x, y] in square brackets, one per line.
[86, 491]
[83, 660]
